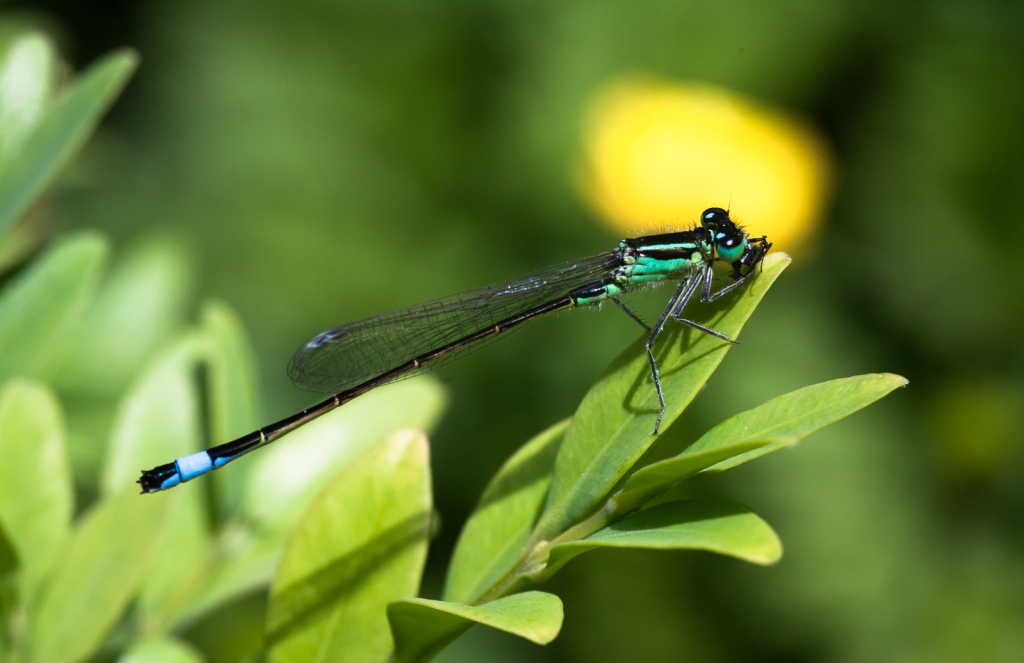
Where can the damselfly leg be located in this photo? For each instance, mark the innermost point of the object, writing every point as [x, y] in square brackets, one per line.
[630, 313]
[679, 300]
[677, 313]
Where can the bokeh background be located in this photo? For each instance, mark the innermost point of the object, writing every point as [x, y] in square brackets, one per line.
[313, 163]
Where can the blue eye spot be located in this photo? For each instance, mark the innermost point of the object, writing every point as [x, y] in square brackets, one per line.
[709, 215]
[719, 235]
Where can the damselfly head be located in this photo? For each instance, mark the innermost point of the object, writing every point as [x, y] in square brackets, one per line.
[714, 218]
[729, 239]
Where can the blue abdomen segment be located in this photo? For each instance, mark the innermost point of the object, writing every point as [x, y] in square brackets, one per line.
[181, 470]
[193, 465]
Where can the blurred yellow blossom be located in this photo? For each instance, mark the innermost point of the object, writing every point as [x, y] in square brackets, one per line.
[659, 153]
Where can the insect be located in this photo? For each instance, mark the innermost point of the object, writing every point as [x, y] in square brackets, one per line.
[352, 359]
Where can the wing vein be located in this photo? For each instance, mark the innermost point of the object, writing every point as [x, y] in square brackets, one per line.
[346, 356]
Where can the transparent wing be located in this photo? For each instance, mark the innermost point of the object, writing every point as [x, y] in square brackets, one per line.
[343, 357]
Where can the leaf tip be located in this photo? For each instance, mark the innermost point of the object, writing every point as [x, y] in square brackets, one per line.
[770, 552]
[896, 381]
[126, 58]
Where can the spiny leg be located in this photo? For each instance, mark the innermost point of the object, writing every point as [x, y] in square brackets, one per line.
[684, 293]
[704, 329]
[631, 314]
[728, 288]
[677, 312]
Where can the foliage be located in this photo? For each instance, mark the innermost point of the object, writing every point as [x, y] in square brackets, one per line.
[67, 583]
[336, 519]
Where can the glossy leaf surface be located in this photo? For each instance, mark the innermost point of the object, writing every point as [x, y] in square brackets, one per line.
[287, 476]
[613, 426]
[180, 567]
[36, 494]
[161, 650]
[59, 134]
[248, 563]
[233, 395]
[9, 595]
[39, 307]
[780, 422]
[793, 416]
[361, 545]
[721, 527]
[158, 420]
[28, 64]
[422, 628]
[97, 576]
[139, 307]
[499, 527]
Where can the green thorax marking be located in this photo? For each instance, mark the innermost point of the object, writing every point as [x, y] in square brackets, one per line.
[609, 290]
[654, 262]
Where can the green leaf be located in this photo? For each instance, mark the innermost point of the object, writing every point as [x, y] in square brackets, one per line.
[245, 562]
[789, 418]
[96, 576]
[89, 422]
[179, 570]
[19, 245]
[9, 598]
[158, 420]
[161, 650]
[8, 581]
[422, 628]
[780, 422]
[649, 482]
[361, 545]
[36, 494]
[8, 555]
[233, 396]
[28, 64]
[499, 527]
[136, 312]
[721, 527]
[612, 427]
[288, 475]
[39, 308]
[60, 134]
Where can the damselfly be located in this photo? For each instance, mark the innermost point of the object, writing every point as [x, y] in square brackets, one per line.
[355, 358]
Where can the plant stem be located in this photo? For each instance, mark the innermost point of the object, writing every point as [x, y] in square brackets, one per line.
[530, 567]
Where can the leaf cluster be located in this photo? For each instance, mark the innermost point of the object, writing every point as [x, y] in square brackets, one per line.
[98, 379]
[585, 483]
[335, 519]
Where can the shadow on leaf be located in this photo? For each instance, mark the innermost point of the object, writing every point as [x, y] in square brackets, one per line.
[307, 599]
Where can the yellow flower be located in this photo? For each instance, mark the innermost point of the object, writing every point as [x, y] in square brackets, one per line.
[658, 154]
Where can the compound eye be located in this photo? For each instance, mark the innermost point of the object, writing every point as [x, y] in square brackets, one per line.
[731, 247]
[713, 217]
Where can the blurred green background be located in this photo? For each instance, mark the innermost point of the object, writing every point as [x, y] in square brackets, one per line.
[313, 163]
